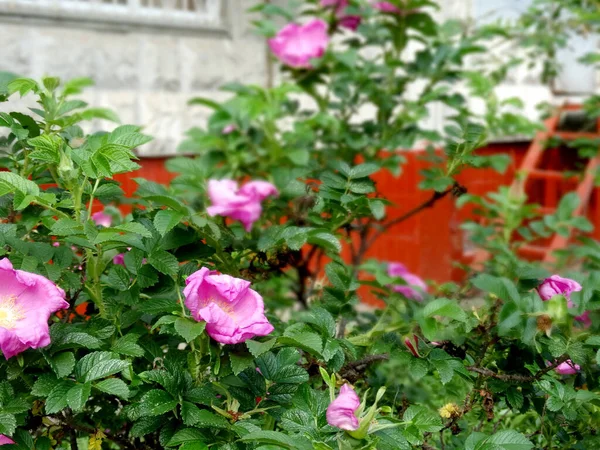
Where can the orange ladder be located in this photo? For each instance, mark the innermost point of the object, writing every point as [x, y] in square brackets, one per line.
[530, 170]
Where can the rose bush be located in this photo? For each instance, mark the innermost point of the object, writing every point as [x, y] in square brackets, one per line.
[223, 311]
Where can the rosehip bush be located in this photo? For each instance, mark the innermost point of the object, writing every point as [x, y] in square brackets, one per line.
[223, 311]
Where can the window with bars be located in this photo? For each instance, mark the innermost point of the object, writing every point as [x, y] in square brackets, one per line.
[160, 13]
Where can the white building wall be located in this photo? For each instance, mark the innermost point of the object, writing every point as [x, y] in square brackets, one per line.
[143, 71]
[146, 67]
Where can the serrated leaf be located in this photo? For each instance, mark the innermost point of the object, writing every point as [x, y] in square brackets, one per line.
[146, 425]
[363, 170]
[187, 435]
[325, 240]
[446, 308]
[272, 437]
[127, 346]
[240, 363]
[189, 329]
[78, 395]
[57, 398]
[259, 348]
[507, 440]
[113, 386]
[94, 366]
[63, 364]
[165, 220]
[291, 374]
[8, 424]
[44, 385]
[132, 227]
[164, 262]
[156, 402]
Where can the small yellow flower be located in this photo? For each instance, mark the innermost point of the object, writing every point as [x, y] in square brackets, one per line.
[449, 410]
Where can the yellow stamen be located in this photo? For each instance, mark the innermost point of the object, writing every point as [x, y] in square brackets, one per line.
[10, 312]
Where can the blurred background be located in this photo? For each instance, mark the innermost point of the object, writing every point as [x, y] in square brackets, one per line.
[148, 58]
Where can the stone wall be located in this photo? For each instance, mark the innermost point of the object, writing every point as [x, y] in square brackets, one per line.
[146, 74]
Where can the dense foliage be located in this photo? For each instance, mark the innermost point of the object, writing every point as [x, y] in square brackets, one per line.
[158, 337]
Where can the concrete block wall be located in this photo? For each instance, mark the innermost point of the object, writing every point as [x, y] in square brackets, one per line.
[145, 74]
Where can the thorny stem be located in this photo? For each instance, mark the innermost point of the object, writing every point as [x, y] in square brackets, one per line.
[517, 378]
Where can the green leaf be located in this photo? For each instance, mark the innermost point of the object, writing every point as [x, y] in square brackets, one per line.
[189, 329]
[66, 227]
[47, 148]
[44, 385]
[325, 240]
[377, 208]
[96, 365]
[187, 435]
[300, 336]
[291, 374]
[239, 363]
[63, 364]
[164, 262]
[78, 395]
[503, 288]
[446, 308]
[132, 227]
[275, 438]
[146, 425]
[119, 278]
[11, 182]
[259, 348]
[127, 346]
[506, 440]
[22, 86]
[113, 386]
[57, 398]
[156, 402]
[8, 424]
[363, 170]
[166, 219]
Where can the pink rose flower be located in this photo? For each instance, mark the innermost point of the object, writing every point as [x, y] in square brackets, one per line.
[295, 45]
[5, 440]
[346, 21]
[26, 302]
[56, 244]
[232, 311]
[387, 7]
[567, 368]
[119, 259]
[414, 287]
[229, 129]
[556, 285]
[102, 219]
[243, 204]
[341, 412]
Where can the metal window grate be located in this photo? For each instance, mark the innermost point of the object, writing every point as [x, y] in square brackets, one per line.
[157, 13]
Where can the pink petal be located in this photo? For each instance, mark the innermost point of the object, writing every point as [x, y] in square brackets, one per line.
[102, 219]
[35, 298]
[259, 190]
[556, 285]
[397, 269]
[295, 45]
[567, 368]
[232, 311]
[387, 7]
[341, 412]
[5, 440]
